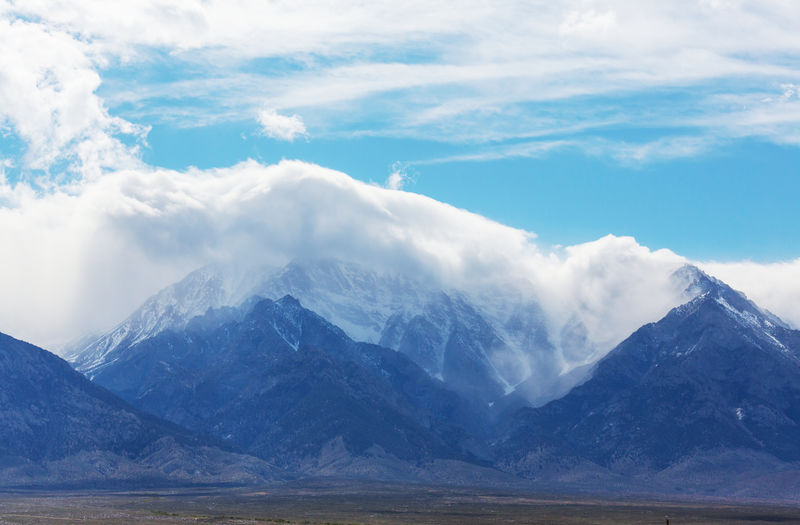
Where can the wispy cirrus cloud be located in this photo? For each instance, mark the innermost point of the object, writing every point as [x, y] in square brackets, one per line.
[526, 149]
[627, 153]
[466, 72]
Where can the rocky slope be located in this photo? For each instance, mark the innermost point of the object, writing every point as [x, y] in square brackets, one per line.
[56, 426]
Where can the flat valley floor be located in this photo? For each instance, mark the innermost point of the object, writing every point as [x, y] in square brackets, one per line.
[329, 502]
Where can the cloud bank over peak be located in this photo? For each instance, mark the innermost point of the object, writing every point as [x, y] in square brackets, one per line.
[82, 257]
[774, 286]
[86, 256]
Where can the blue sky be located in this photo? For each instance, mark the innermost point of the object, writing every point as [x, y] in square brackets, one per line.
[125, 127]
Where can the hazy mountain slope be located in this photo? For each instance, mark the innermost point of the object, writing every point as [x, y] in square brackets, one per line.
[441, 332]
[209, 287]
[56, 425]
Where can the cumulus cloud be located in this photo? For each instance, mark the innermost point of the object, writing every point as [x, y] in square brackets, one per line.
[399, 176]
[48, 82]
[281, 127]
[396, 180]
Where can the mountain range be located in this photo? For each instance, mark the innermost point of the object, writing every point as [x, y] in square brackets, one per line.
[327, 368]
[483, 347]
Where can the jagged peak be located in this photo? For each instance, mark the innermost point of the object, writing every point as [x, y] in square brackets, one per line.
[702, 287]
[289, 301]
[287, 306]
[696, 281]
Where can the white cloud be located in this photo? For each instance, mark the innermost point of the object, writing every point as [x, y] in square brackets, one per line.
[659, 149]
[84, 257]
[588, 23]
[281, 127]
[396, 180]
[627, 153]
[398, 177]
[446, 70]
[529, 149]
[48, 81]
[613, 286]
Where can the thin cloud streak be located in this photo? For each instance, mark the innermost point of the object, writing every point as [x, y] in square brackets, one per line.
[470, 72]
[628, 153]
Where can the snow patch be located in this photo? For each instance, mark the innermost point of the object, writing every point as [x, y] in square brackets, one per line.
[760, 325]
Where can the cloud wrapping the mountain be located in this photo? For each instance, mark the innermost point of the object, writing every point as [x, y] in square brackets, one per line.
[85, 256]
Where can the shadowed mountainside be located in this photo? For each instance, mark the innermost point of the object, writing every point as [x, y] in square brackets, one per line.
[58, 427]
[278, 381]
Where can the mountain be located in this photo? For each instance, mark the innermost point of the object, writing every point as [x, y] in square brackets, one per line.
[707, 396]
[278, 381]
[57, 426]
